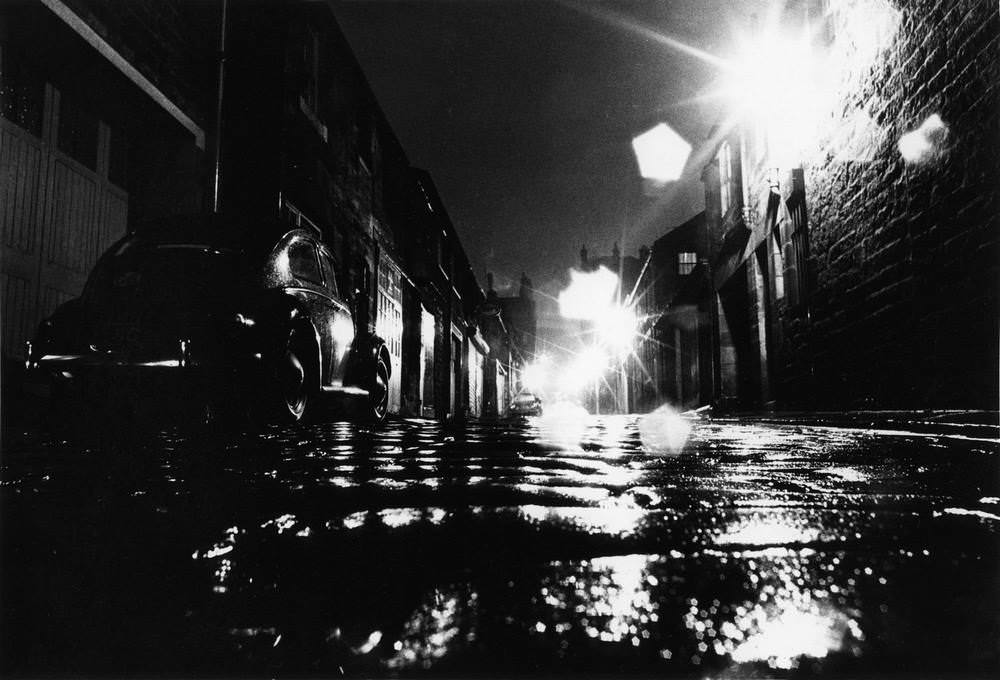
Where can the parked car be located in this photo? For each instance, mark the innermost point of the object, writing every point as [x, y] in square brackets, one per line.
[526, 404]
[224, 311]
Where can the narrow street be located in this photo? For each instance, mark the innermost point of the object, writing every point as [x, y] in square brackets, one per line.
[858, 545]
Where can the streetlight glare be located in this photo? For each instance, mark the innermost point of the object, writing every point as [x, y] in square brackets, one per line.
[661, 153]
[785, 81]
[616, 329]
[589, 294]
[590, 364]
[534, 376]
[786, 102]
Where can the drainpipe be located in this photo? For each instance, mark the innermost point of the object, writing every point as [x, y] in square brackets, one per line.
[217, 145]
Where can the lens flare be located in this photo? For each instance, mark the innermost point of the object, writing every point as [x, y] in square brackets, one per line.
[589, 294]
[664, 431]
[661, 154]
[583, 369]
[919, 145]
[616, 329]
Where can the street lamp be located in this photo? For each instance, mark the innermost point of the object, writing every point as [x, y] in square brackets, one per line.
[776, 84]
[616, 329]
[593, 297]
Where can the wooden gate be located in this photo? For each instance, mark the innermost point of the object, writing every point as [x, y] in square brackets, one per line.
[56, 217]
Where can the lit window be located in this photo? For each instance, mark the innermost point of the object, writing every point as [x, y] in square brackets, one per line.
[686, 263]
[725, 160]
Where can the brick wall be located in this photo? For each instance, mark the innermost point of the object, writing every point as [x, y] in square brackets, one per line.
[905, 258]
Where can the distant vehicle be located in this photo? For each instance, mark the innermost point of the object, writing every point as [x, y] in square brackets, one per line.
[526, 404]
[252, 314]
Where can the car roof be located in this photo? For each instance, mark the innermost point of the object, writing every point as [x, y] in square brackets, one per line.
[252, 237]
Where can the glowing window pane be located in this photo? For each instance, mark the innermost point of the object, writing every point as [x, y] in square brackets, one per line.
[686, 263]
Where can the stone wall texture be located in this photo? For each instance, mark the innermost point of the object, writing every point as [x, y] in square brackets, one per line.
[904, 309]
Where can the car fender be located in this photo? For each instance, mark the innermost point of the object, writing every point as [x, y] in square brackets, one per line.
[361, 362]
[61, 331]
[269, 319]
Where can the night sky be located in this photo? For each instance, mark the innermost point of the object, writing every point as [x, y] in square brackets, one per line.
[524, 112]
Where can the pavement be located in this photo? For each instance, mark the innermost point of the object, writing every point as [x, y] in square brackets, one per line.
[837, 545]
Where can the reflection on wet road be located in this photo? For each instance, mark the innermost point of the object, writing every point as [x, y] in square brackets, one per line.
[531, 548]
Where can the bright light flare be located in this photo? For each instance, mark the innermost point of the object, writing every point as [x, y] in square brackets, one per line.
[534, 376]
[919, 145]
[664, 431]
[776, 82]
[562, 425]
[617, 328]
[590, 364]
[342, 329]
[788, 635]
[592, 296]
[583, 369]
[589, 294]
[661, 153]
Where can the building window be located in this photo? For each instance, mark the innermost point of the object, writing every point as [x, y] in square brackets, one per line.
[686, 263]
[725, 160]
[77, 132]
[22, 92]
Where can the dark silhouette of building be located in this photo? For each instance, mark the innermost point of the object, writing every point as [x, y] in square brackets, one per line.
[114, 113]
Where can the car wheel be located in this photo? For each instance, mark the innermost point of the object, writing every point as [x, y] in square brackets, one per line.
[378, 393]
[291, 381]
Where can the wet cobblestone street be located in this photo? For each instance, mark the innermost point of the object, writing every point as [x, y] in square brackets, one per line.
[788, 546]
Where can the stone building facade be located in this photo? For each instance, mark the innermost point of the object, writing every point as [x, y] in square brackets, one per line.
[862, 272]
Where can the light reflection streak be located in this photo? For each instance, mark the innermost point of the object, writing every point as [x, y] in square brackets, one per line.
[787, 622]
[767, 532]
[845, 473]
[981, 514]
[612, 518]
[392, 518]
[432, 630]
[582, 494]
